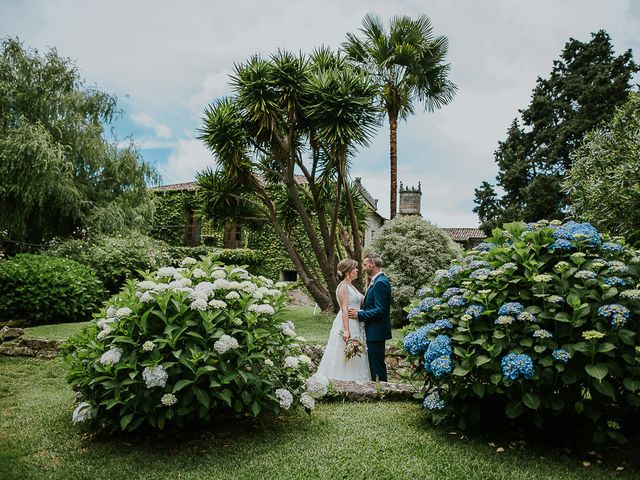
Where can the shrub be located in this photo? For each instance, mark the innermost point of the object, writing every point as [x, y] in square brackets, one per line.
[115, 258]
[541, 321]
[412, 250]
[42, 289]
[189, 343]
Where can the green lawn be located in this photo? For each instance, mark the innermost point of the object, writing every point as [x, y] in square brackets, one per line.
[339, 440]
[315, 328]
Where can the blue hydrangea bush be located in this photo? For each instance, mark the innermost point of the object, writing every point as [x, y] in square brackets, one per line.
[540, 321]
[189, 344]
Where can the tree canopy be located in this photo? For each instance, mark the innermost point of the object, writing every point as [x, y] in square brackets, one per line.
[604, 180]
[408, 65]
[283, 142]
[58, 172]
[585, 86]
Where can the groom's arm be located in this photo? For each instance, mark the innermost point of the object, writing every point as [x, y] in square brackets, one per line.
[382, 293]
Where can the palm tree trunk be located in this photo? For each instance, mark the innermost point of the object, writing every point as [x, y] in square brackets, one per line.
[393, 157]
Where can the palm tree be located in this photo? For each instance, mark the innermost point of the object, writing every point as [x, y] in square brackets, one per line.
[408, 63]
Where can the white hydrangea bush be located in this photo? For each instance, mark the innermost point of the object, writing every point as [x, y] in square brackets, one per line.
[186, 344]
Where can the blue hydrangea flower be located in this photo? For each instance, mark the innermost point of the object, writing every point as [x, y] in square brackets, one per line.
[457, 301]
[612, 247]
[480, 273]
[443, 324]
[516, 366]
[614, 281]
[475, 311]
[527, 317]
[485, 246]
[511, 308]
[560, 245]
[585, 275]
[478, 264]
[439, 347]
[616, 313]
[428, 303]
[561, 355]
[425, 291]
[433, 402]
[450, 292]
[441, 366]
[416, 342]
[574, 232]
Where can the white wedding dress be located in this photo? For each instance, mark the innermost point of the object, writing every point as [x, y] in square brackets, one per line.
[333, 365]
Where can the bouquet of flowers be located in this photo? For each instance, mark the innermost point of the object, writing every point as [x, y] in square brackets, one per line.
[354, 348]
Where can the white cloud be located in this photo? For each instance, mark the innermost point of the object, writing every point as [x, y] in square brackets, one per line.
[187, 158]
[146, 120]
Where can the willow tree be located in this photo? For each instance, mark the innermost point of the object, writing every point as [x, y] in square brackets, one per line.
[282, 142]
[408, 63]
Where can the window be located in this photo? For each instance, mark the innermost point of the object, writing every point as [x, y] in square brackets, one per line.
[288, 276]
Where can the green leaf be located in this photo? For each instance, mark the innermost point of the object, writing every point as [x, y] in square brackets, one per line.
[610, 293]
[631, 384]
[605, 388]
[126, 420]
[460, 371]
[495, 378]
[180, 384]
[514, 408]
[606, 347]
[540, 348]
[574, 301]
[626, 336]
[255, 408]
[203, 397]
[482, 359]
[598, 370]
[557, 403]
[479, 389]
[531, 400]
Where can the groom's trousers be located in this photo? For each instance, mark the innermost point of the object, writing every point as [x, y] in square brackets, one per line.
[376, 360]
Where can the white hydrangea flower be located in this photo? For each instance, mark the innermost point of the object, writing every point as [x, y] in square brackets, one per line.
[123, 312]
[205, 287]
[155, 376]
[301, 339]
[181, 283]
[231, 296]
[217, 304]
[147, 285]
[305, 359]
[248, 287]
[219, 273]
[111, 356]
[198, 273]
[224, 344]
[239, 270]
[317, 385]
[266, 280]
[148, 346]
[307, 401]
[146, 297]
[186, 261]
[169, 399]
[281, 284]
[199, 304]
[258, 295]
[106, 331]
[291, 362]
[268, 363]
[261, 309]
[233, 285]
[82, 413]
[198, 295]
[285, 398]
[111, 312]
[221, 284]
[105, 322]
[274, 293]
[161, 287]
[166, 272]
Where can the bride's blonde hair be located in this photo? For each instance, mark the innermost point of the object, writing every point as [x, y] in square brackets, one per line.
[345, 266]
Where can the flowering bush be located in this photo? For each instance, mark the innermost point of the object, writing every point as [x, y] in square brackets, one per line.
[189, 343]
[42, 289]
[540, 321]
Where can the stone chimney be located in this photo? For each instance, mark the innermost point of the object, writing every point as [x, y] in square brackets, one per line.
[410, 200]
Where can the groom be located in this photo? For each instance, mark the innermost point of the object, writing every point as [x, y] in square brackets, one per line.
[375, 315]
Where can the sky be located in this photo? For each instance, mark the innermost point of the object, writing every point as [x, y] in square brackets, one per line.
[167, 60]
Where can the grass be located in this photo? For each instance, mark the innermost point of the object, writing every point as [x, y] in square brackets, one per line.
[386, 440]
[315, 328]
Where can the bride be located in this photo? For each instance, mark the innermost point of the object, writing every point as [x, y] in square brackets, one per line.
[333, 364]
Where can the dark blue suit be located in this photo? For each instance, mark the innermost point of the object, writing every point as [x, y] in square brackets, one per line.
[376, 316]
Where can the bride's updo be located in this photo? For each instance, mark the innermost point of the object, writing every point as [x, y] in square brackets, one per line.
[345, 266]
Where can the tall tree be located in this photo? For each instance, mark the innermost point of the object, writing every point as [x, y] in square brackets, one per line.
[604, 180]
[58, 172]
[585, 86]
[408, 63]
[293, 114]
